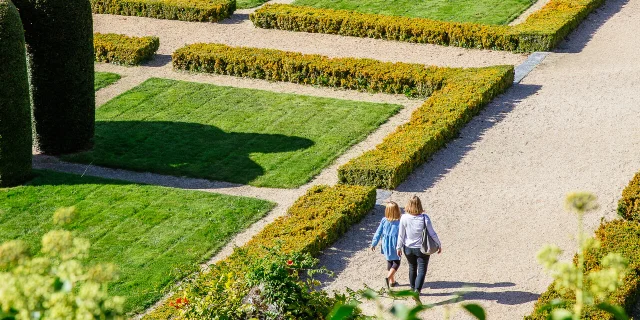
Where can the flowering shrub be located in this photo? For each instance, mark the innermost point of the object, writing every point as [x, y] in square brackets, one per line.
[55, 284]
[629, 204]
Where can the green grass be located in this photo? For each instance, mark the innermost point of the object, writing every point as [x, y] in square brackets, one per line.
[104, 79]
[479, 11]
[154, 235]
[246, 4]
[222, 133]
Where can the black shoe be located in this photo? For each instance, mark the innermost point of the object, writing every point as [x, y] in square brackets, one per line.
[386, 281]
[395, 284]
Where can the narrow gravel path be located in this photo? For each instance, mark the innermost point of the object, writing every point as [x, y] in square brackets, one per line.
[496, 193]
[239, 31]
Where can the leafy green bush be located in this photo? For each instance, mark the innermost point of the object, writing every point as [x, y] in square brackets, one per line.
[617, 236]
[122, 49]
[437, 121]
[275, 65]
[313, 223]
[540, 32]
[59, 37]
[629, 204]
[15, 108]
[185, 10]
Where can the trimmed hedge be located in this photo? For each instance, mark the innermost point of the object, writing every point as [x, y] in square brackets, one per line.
[15, 107]
[59, 37]
[437, 121]
[122, 49]
[456, 95]
[540, 32]
[629, 204]
[312, 224]
[275, 65]
[185, 10]
[618, 236]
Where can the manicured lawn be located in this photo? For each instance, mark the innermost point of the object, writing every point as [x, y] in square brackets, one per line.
[480, 11]
[154, 235]
[246, 4]
[222, 133]
[104, 79]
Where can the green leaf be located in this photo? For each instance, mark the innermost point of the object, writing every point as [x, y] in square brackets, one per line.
[476, 310]
[553, 304]
[616, 311]
[561, 314]
[342, 312]
[403, 293]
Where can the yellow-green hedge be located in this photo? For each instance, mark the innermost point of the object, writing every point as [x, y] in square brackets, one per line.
[629, 204]
[275, 65]
[314, 222]
[618, 236]
[437, 121]
[540, 32]
[121, 49]
[185, 10]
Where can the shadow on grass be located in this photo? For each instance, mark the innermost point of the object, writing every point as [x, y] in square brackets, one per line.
[184, 149]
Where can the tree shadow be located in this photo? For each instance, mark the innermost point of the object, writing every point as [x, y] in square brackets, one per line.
[444, 160]
[158, 60]
[184, 149]
[577, 40]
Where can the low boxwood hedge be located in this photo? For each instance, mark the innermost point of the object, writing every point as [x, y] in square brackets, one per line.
[618, 236]
[540, 32]
[456, 95]
[185, 10]
[437, 121]
[122, 49]
[313, 223]
[275, 65]
[629, 204]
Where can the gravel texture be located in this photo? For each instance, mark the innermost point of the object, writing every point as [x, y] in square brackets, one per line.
[239, 31]
[496, 193]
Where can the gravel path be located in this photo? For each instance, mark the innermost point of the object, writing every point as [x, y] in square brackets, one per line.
[496, 193]
[239, 31]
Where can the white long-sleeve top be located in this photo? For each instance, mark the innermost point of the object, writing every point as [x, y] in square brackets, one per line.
[410, 233]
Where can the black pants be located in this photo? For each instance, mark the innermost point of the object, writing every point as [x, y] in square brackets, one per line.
[395, 264]
[418, 263]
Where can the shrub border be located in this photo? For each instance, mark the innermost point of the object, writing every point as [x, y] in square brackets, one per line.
[124, 50]
[456, 95]
[541, 31]
[171, 10]
[312, 224]
[615, 236]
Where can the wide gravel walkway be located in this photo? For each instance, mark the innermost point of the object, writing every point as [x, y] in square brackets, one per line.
[496, 193]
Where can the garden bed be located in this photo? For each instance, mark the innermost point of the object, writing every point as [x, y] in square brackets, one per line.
[221, 133]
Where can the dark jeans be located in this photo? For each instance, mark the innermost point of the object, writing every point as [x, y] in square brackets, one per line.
[418, 263]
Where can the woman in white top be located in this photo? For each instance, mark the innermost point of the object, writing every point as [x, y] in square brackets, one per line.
[412, 225]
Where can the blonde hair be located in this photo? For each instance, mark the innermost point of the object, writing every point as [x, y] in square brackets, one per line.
[414, 206]
[392, 211]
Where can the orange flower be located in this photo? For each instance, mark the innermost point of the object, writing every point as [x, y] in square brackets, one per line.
[289, 262]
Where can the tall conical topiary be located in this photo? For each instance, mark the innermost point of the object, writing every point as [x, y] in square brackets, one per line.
[59, 37]
[15, 108]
